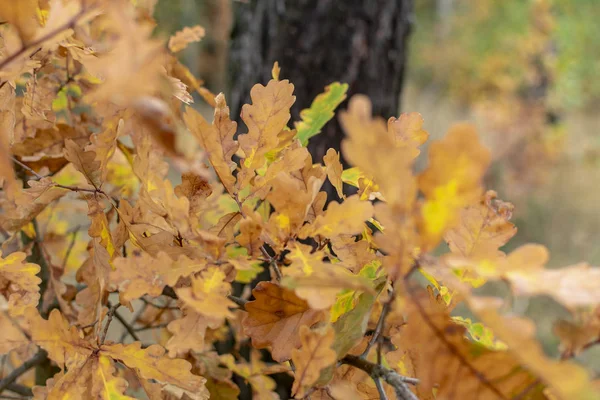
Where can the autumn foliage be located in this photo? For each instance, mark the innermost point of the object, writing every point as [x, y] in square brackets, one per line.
[353, 299]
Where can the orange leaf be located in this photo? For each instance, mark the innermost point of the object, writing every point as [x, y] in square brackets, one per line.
[216, 140]
[274, 317]
[152, 363]
[314, 355]
[451, 181]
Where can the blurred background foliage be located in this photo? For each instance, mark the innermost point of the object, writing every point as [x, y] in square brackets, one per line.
[524, 71]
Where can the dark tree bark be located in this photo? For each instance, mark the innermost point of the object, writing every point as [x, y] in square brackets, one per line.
[359, 42]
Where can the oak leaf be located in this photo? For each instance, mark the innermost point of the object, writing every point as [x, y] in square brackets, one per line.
[320, 111]
[334, 170]
[317, 281]
[85, 162]
[451, 181]
[314, 355]
[181, 39]
[265, 118]
[207, 296]
[274, 317]
[141, 274]
[19, 282]
[188, 333]
[462, 369]
[152, 363]
[340, 218]
[216, 139]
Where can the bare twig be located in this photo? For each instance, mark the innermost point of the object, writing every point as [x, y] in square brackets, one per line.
[20, 389]
[377, 335]
[26, 167]
[240, 302]
[391, 377]
[380, 389]
[109, 318]
[38, 359]
[127, 327]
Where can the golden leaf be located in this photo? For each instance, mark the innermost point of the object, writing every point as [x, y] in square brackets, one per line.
[207, 296]
[188, 333]
[317, 281]
[141, 274]
[63, 342]
[314, 355]
[334, 170]
[274, 317]
[265, 118]
[451, 181]
[152, 363]
[19, 282]
[85, 162]
[216, 140]
[340, 218]
[181, 39]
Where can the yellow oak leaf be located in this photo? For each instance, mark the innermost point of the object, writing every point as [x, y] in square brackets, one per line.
[188, 333]
[20, 284]
[408, 131]
[152, 363]
[13, 334]
[314, 355]
[334, 170]
[274, 317]
[141, 274]
[63, 342]
[265, 118]
[340, 218]
[208, 296]
[181, 39]
[93, 378]
[372, 146]
[451, 181]
[317, 281]
[216, 139]
[481, 230]
[85, 162]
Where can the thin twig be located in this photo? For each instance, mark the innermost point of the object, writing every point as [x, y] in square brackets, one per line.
[239, 301]
[148, 327]
[380, 389]
[39, 358]
[26, 167]
[272, 262]
[20, 390]
[127, 327]
[109, 318]
[391, 377]
[380, 325]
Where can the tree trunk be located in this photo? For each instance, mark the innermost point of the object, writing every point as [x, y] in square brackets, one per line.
[359, 42]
